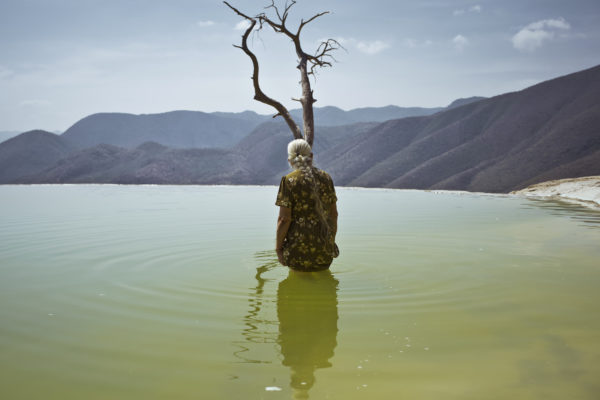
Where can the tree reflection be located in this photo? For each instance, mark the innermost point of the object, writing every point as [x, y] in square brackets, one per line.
[307, 314]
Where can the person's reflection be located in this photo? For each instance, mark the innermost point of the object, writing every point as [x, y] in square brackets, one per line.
[307, 313]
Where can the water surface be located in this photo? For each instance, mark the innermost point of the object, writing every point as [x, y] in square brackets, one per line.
[148, 292]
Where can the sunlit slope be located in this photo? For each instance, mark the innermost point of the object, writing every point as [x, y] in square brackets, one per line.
[548, 131]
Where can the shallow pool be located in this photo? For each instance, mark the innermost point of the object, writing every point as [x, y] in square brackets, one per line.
[148, 292]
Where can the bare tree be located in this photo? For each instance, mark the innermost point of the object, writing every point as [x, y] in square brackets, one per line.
[307, 63]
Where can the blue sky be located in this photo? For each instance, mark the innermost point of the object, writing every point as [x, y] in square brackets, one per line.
[61, 60]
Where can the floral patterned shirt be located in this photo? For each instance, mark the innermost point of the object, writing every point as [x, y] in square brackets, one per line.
[304, 248]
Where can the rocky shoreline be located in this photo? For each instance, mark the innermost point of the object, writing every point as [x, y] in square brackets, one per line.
[584, 191]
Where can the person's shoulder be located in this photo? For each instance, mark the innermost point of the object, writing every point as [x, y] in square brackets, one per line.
[293, 174]
[324, 174]
[292, 177]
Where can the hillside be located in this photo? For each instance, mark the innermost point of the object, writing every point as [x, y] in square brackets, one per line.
[333, 116]
[29, 153]
[148, 163]
[195, 129]
[178, 129]
[255, 160]
[499, 144]
[548, 131]
[465, 101]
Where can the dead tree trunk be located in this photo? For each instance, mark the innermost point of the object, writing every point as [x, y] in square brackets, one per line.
[307, 64]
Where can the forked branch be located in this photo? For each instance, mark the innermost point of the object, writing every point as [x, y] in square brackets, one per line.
[307, 63]
[259, 95]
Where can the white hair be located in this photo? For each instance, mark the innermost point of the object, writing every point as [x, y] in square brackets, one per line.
[300, 155]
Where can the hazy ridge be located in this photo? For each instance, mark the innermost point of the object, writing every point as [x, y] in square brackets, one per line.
[115, 147]
[548, 131]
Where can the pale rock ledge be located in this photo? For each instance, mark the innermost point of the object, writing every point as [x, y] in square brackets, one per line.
[585, 190]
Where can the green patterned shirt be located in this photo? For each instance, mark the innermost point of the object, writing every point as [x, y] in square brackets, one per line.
[303, 247]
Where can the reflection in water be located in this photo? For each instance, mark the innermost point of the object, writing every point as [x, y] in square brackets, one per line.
[307, 313]
[586, 216]
[256, 325]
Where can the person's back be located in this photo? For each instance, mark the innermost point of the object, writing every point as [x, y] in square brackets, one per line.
[308, 213]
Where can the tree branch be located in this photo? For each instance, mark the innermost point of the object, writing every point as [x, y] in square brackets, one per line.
[302, 22]
[307, 63]
[323, 53]
[259, 95]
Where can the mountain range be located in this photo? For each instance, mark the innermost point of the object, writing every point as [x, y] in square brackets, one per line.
[33, 156]
[499, 144]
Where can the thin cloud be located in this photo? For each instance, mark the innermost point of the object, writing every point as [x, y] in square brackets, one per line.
[473, 9]
[414, 43]
[410, 43]
[534, 35]
[559, 23]
[366, 47]
[242, 25]
[34, 103]
[205, 24]
[460, 42]
[373, 47]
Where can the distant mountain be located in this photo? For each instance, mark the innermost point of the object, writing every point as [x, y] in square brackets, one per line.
[464, 102]
[333, 116]
[148, 163]
[179, 129]
[255, 161]
[548, 131]
[195, 129]
[30, 152]
[182, 129]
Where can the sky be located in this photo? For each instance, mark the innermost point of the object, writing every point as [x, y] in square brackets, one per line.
[61, 60]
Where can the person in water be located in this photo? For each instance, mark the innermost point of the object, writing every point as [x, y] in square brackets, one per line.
[307, 222]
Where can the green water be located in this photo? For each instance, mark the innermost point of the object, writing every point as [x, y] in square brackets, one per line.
[162, 292]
